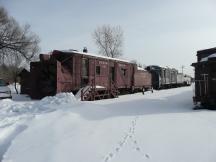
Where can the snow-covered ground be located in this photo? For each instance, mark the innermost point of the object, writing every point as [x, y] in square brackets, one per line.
[158, 127]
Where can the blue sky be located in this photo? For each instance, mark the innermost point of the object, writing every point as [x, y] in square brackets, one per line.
[166, 33]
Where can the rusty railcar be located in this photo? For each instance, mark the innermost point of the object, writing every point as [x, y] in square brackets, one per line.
[205, 78]
[87, 75]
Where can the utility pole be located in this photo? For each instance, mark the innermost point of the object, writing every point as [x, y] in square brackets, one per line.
[182, 67]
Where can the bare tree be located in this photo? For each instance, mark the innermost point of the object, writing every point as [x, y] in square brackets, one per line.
[15, 64]
[18, 46]
[15, 39]
[109, 40]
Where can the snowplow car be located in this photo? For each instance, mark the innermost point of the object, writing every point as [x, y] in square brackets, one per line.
[5, 91]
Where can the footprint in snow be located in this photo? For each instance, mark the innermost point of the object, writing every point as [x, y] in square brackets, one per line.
[137, 148]
[117, 149]
[111, 155]
[147, 156]
[106, 159]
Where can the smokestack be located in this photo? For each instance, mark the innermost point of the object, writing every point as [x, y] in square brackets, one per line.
[85, 50]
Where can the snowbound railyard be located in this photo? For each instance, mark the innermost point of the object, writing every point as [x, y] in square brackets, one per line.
[156, 127]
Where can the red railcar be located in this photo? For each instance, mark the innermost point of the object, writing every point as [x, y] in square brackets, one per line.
[92, 76]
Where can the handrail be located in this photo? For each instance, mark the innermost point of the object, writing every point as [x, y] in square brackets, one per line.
[91, 86]
[203, 81]
[113, 87]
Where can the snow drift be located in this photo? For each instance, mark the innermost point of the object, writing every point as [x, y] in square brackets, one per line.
[158, 127]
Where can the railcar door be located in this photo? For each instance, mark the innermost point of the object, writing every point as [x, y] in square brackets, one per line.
[212, 79]
[112, 74]
[85, 72]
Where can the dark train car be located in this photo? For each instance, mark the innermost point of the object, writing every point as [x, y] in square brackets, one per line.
[167, 77]
[163, 77]
[24, 80]
[205, 78]
[156, 73]
[92, 76]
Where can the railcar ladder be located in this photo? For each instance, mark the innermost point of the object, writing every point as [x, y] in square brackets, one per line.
[92, 92]
[113, 89]
[202, 87]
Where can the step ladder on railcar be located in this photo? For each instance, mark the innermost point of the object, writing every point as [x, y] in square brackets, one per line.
[202, 87]
[113, 89]
[93, 92]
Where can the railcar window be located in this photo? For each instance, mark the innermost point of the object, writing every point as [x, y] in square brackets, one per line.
[98, 71]
[123, 71]
[68, 64]
[85, 67]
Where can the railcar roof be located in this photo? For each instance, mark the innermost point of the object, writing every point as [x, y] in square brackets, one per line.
[207, 58]
[140, 68]
[93, 55]
[159, 67]
[206, 51]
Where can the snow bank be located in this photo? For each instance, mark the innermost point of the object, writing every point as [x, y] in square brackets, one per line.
[14, 116]
[59, 99]
[7, 135]
[10, 107]
[157, 127]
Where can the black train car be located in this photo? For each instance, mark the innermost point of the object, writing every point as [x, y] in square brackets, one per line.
[156, 75]
[163, 77]
[205, 78]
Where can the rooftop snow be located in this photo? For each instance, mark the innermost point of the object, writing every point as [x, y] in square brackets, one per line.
[140, 68]
[207, 58]
[93, 55]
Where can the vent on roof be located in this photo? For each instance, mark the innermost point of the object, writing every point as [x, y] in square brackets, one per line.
[85, 50]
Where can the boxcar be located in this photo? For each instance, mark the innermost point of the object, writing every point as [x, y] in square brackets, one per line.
[205, 78]
[92, 76]
[163, 77]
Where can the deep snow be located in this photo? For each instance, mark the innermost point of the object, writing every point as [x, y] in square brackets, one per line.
[158, 127]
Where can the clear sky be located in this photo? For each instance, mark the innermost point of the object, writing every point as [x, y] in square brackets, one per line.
[159, 32]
